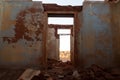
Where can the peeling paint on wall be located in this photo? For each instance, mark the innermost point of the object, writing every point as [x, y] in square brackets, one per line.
[21, 34]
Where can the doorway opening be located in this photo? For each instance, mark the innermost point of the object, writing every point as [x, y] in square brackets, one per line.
[64, 44]
[63, 29]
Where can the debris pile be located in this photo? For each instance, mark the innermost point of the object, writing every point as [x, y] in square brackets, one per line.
[58, 70]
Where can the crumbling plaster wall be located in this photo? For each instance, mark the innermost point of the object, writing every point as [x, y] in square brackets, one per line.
[52, 44]
[21, 34]
[115, 10]
[95, 36]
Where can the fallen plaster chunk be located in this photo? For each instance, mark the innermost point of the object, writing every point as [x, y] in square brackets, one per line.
[75, 74]
[28, 74]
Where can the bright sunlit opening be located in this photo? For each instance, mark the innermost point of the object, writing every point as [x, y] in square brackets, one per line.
[63, 2]
[62, 20]
[64, 42]
[64, 39]
[63, 31]
[66, 2]
[64, 48]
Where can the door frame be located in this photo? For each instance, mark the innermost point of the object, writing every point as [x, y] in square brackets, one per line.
[74, 14]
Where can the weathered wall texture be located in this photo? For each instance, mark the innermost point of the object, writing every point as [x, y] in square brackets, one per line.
[115, 10]
[95, 46]
[21, 34]
[78, 44]
[52, 44]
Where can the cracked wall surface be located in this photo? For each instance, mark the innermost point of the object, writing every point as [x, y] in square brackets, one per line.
[21, 34]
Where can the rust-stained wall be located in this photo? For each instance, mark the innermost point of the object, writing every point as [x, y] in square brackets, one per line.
[21, 34]
[115, 10]
[78, 44]
[95, 36]
[23, 40]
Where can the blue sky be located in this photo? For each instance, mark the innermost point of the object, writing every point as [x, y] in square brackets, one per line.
[63, 2]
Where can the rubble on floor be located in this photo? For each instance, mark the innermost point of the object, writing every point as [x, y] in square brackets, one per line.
[28, 74]
[58, 70]
[10, 74]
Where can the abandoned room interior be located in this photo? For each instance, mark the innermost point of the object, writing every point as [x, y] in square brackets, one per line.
[36, 42]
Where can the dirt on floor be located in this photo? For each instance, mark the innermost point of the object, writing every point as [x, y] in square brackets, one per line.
[58, 70]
